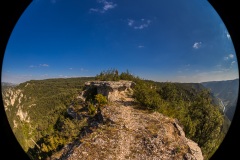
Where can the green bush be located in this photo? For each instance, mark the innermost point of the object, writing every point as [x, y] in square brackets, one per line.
[146, 96]
[101, 100]
[109, 75]
[92, 110]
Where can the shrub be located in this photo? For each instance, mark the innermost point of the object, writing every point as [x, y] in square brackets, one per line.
[146, 96]
[101, 100]
[109, 75]
[92, 110]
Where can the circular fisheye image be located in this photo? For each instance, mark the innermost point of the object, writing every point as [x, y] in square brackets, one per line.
[108, 79]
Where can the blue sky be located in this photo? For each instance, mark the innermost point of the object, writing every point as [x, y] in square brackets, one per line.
[156, 39]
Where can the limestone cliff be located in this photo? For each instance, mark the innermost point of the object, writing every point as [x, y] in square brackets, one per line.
[130, 133]
[13, 99]
[113, 90]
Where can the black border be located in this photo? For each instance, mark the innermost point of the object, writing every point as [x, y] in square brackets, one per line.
[229, 12]
[10, 12]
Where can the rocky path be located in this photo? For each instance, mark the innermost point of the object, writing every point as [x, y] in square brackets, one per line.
[129, 133]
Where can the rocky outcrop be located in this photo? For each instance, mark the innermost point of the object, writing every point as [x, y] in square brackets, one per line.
[130, 133]
[12, 98]
[111, 89]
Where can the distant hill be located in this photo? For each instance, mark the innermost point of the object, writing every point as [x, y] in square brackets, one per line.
[7, 84]
[227, 91]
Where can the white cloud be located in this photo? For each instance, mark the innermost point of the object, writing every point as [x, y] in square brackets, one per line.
[130, 22]
[228, 35]
[197, 45]
[106, 6]
[141, 24]
[140, 46]
[231, 56]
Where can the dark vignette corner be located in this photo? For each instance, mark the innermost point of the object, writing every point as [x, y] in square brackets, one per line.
[10, 12]
[230, 15]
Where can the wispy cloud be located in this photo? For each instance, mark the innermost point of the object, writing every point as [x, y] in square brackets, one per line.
[232, 63]
[70, 68]
[226, 58]
[212, 75]
[83, 70]
[141, 46]
[141, 24]
[44, 65]
[184, 68]
[227, 65]
[40, 65]
[106, 6]
[218, 66]
[62, 76]
[94, 10]
[197, 45]
[32, 66]
[44, 75]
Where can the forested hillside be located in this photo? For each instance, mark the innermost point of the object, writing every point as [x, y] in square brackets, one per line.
[227, 91]
[40, 111]
[33, 107]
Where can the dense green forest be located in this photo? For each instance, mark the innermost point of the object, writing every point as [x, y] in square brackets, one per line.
[45, 101]
[51, 127]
